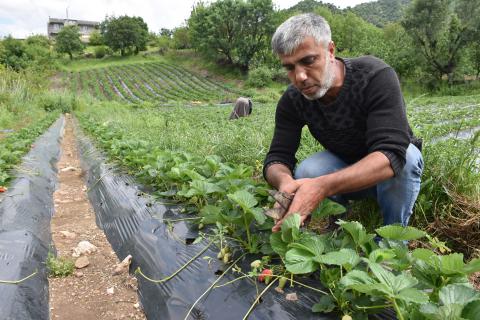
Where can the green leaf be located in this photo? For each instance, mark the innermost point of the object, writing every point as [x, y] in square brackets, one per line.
[451, 264]
[310, 242]
[356, 231]
[325, 305]
[380, 255]
[472, 266]
[384, 276]
[396, 232]
[412, 295]
[277, 244]
[344, 257]
[327, 208]
[210, 214]
[458, 294]
[258, 215]
[298, 261]
[358, 279]
[423, 254]
[291, 228]
[203, 187]
[244, 199]
[471, 310]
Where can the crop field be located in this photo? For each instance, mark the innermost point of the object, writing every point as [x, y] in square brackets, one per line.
[212, 166]
[152, 81]
[163, 126]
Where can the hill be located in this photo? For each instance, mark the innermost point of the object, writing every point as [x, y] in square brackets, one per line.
[381, 12]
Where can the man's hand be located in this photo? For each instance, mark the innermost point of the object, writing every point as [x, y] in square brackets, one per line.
[308, 195]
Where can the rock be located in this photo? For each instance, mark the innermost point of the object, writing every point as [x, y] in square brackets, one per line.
[81, 262]
[291, 296]
[78, 274]
[137, 306]
[68, 234]
[122, 267]
[68, 169]
[110, 291]
[83, 248]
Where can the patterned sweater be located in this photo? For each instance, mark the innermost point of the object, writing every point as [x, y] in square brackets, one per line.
[368, 115]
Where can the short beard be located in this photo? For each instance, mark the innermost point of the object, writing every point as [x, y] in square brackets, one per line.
[326, 84]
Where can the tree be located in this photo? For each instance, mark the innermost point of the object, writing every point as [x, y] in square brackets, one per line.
[95, 38]
[442, 29]
[13, 54]
[181, 38]
[68, 41]
[125, 34]
[234, 30]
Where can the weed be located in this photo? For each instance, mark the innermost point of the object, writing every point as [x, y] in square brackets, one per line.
[59, 267]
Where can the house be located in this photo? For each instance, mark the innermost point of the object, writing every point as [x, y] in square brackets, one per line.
[86, 27]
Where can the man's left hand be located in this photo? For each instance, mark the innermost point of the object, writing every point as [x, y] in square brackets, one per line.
[308, 196]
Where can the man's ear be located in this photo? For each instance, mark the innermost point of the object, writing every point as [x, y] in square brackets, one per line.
[331, 49]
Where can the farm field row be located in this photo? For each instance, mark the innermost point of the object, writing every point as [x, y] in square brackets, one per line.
[17, 143]
[179, 153]
[153, 81]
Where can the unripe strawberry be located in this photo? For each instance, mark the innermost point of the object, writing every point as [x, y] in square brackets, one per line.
[256, 264]
[282, 282]
[347, 317]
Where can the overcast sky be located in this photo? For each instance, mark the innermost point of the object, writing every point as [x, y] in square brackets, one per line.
[21, 18]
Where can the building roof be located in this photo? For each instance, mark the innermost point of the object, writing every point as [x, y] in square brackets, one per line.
[83, 22]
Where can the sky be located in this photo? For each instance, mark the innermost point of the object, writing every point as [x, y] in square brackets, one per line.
[22, 18]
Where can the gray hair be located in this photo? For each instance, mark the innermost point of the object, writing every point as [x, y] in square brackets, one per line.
[292, 33]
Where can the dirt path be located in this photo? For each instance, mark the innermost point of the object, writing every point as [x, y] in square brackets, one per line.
[87, 294]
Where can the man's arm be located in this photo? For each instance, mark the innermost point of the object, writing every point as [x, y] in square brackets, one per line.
[372, 169]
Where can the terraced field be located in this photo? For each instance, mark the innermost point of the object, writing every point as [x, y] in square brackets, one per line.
[152, 81]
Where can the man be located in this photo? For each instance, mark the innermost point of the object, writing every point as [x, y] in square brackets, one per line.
[355, 109]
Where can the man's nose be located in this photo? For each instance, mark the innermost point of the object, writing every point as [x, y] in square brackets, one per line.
[300, 74]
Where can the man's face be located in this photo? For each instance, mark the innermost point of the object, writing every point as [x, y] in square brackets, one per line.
[311, 68]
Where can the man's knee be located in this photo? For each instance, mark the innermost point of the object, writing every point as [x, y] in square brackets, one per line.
[319, 164]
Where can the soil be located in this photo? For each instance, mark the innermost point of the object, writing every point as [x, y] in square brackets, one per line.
[83, 295]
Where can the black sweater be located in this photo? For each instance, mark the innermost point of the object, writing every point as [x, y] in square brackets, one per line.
[368, 115]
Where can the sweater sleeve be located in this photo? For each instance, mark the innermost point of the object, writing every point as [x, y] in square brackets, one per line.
[286, 136]
[387, 125]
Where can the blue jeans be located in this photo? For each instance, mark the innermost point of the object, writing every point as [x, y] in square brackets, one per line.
[395, 196]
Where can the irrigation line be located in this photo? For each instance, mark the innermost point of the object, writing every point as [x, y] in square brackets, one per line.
[139, 271]
[258, 299]
[212, 285]
[19, 281]
[98, 180]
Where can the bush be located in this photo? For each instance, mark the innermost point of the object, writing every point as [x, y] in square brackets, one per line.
[259, 77]
[100, 52]
[53, 101]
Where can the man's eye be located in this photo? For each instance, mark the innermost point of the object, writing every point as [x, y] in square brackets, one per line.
[289, 67]
[308, 60]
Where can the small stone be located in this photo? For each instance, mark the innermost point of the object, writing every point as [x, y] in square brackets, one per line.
[68, 169]
[78, 274]
[84, 247]
[68, 234]
[82, 262]
[136, 306]
[110, 291]
[291, 296]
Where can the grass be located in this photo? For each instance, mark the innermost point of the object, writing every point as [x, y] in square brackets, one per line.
[59, 267]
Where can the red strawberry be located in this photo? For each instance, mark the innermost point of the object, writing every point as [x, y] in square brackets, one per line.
[265, 276]
[2, 189]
